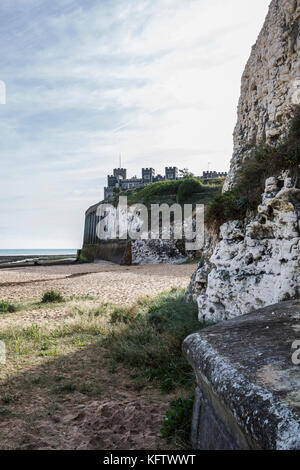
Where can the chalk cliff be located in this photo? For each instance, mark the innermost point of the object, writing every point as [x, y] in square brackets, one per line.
[255, 262]
[270, 83]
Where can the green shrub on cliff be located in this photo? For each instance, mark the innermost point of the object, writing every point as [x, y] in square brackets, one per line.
[182, 189]
[187, 188]
[264, 161]
[161, 188]
[227, 206]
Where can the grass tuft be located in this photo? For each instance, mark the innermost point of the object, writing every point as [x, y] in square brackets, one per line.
[52, 297]
[6, 307]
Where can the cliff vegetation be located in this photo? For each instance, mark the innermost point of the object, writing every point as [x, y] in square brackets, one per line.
[183, 191]
[265, 160]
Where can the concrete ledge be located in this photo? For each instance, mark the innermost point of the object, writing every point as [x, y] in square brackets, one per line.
[248, 394]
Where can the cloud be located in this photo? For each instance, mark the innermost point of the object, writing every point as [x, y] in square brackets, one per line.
[155, 80]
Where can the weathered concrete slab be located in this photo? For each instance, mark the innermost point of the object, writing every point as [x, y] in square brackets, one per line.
[248, 394]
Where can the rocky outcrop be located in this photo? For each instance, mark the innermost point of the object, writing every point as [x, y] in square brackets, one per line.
[158, 251]
[257, 261]
[270, 83]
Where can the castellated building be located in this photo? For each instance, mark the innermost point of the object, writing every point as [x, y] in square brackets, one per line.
[119, 179]
[214, 174]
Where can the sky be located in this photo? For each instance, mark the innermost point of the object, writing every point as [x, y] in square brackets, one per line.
[155, 80]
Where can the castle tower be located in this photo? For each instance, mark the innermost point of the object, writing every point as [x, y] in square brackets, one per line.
[120, 173]
[171, 173]
[148, 175]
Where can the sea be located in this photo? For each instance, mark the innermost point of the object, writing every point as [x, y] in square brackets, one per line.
[37, 252]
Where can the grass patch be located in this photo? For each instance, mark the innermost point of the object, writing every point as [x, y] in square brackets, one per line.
[150, 339]
[67, 387]
[83, 259]
[83, 327]
[92, 349]
[6, 307]
[265, 160]
[5, 412]
[177, 421]
[146, 337]
[52, 297]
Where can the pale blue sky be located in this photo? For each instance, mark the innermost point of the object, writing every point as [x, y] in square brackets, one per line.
[157, 80]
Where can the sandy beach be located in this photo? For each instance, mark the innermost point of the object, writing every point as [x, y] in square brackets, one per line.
[108, 282]
[62, 390]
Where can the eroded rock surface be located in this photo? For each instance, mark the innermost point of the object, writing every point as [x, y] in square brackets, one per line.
[158, 251]
[256, 262]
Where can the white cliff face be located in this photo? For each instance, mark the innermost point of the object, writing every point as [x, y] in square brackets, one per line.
[255, 263]
[270, 83]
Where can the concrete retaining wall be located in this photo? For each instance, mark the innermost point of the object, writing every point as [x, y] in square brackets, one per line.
[116, 251]
[247, 394]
